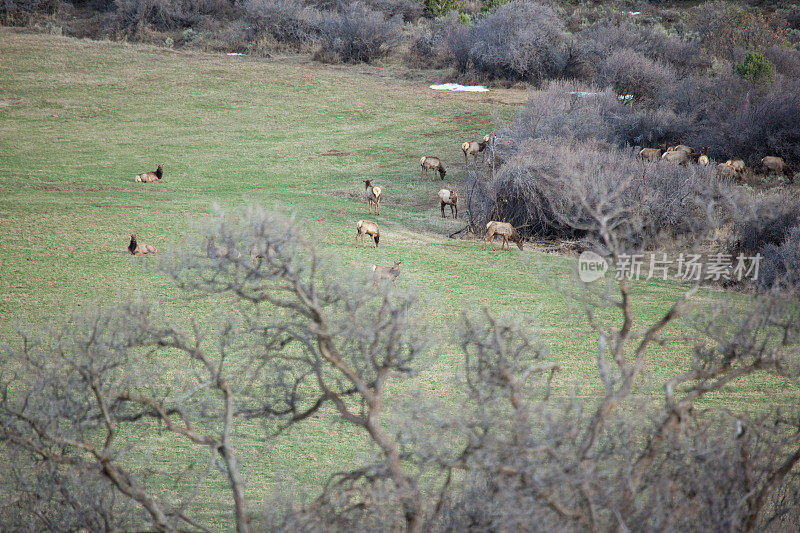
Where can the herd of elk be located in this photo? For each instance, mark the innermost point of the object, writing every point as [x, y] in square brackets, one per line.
[682, 154]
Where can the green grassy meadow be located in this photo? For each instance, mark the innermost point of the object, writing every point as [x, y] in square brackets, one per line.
[78, 119]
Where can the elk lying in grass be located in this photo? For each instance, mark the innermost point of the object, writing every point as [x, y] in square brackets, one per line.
[151, 177]
[429, 162]
[776, 165]
[448, 197]
[140, 248]
[367, 227]
[473, 147]
[383, 272]
[504, 230]
[373, 196]
[218, 252]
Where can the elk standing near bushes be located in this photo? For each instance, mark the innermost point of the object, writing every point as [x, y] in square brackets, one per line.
[703, 159]
[140, 248]
[373, 196]
[504, 230]
[676, 156]
[429, 162]
[773, 164]
[384, 272]
[652, 155]
[473, 147]
[367, 227]
[450, 198]
[151, 177]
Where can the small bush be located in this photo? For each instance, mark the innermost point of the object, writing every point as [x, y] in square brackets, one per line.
[438, 8]
[785, 61]
[778, 268]
[409, 10]
[357, 34]
[520, 41]
[755, 68]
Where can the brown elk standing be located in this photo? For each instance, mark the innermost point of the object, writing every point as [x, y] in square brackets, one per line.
[676, 156]
[140, 248]
[429, 162]
[473, 147]
[381, 272]
[151, 177]
[373, 196]
[367, 227]
[503, 229]
[448, 197]
[777, 165]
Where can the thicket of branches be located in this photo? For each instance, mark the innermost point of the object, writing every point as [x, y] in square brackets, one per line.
[297, 334]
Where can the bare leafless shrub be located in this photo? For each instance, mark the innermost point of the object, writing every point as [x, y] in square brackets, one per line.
[559, 189]
[19, 12]
[165, 15]
[358, 34]
[778, 269]
[520, 41]
[785, 61]
[289, 22]
[631, 73]
[408, 10]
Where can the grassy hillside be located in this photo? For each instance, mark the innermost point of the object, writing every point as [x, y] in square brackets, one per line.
[79, 119]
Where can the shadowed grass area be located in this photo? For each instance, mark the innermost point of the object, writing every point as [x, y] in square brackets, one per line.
[79, 119]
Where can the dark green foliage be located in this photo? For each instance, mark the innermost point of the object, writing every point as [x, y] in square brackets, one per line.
[756, 68]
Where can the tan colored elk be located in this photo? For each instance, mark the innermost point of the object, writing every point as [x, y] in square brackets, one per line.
[384, 272]
[218, 252]
[737, 165]
[429, 162]
[367, 227]
[373, 196]
[140, 248]
[504, 230]
[448, 197]
[151, 177]
[703, 159]
[676, 156]
[774, 164]
[473, 147]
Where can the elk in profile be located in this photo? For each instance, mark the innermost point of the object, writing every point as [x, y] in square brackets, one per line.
[218, 252]
[429, 162]
[383, 272]
[652, 155]
[676, 156]
[777, 165]
[373, 196]
[448, 197]
[504, 230]
[151, 177]
[473, 147]
[367, 227]
[737, 165]
[140, 248]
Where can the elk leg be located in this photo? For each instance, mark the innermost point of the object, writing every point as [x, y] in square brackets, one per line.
[492, 243]
[451, 210]
[442, 206]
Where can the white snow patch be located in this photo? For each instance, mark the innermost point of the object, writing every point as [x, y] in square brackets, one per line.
[585, 94]
[458, 87]
[634, 12]
[235, 54]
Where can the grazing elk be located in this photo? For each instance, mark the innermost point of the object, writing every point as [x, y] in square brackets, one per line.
[429, 162]
[777, 165]
[473, 147]
[367, 227]
[218, 252]
[503, 229]
[383, 272]
[448, 197]
[373, 196]
[140, 248]
[151, 177]
[737, 165]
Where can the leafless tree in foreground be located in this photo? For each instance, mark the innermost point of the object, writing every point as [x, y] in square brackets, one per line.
[511, 455]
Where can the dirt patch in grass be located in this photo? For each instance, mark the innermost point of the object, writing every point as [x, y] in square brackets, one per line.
[10, 101]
